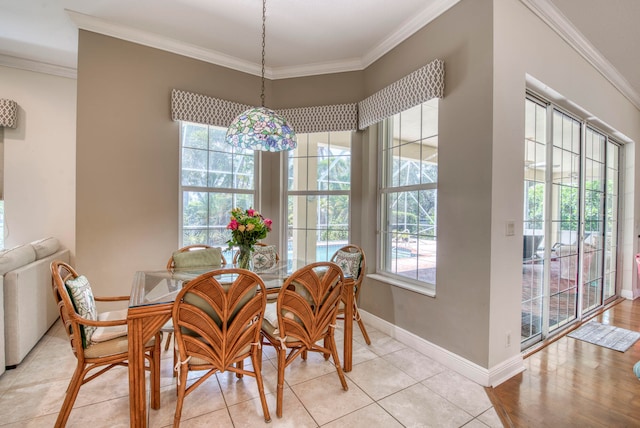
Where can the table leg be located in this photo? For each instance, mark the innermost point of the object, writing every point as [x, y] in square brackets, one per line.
[137, 396]
[348, 324]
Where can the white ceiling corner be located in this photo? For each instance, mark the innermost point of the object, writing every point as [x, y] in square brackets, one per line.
[555, 19]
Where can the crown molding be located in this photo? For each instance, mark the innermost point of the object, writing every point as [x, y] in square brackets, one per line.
[101, 26]
[558, 22]
[38, 66]
[434, 10]
[353, 64]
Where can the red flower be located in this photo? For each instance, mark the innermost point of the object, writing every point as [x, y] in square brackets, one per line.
[251, 212]
[268, 222]
[233, 224]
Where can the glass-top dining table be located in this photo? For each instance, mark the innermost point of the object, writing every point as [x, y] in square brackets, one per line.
[150, 305]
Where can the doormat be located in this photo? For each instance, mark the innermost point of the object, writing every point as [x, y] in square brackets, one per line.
[616, 338]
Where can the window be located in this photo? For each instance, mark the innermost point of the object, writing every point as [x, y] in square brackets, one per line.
[318, 195]
[408, 195]
[215, 177]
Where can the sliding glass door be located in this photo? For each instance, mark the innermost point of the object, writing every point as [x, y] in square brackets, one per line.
[570, 220]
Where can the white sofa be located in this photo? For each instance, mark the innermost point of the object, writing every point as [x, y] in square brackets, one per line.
[25, 287]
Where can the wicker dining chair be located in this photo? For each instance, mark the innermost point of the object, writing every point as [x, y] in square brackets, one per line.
[217, 328]
[303, 315]
[99, 343]
[352, 261]
[190, 257]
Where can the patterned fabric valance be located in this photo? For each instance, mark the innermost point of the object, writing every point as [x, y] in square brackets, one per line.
[198, 108]
[420, 86]
[8, 113]
[338, 117]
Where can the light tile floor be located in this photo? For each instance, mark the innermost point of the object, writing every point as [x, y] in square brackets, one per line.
[390, 386]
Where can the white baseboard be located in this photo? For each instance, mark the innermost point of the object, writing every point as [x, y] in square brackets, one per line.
[627, 294]
[485, 377]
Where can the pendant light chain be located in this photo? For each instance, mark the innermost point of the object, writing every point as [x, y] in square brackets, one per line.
[264, 17]
[260, 128]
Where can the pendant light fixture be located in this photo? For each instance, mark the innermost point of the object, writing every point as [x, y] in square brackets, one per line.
[261, 128]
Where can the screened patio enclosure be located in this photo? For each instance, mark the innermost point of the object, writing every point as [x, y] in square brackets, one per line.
[570, 225]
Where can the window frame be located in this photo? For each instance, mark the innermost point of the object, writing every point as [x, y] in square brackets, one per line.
[315, 193]
[255, 192]
[384, 133]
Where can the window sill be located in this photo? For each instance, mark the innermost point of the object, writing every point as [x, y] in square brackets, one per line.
[427, 289]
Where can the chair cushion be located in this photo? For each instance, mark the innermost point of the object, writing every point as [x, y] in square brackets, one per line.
[118, 345]
[348, 262]
[263, 257]
[270, 321]
[81, 295]
[102, 334]
[16, 257]
[198, 258]
[199, 302]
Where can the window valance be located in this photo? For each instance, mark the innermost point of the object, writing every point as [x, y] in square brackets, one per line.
[198, 108]
[8, 113]
[337, 117]
[202, 109]
[420, 86]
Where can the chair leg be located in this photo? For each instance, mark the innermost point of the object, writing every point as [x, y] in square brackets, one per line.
[282, 356]
[182, 386]
[70, 396]
[336, 362]
[257, 369]
[175, 361]
[168, 342]
[356, 314]
[240, 366]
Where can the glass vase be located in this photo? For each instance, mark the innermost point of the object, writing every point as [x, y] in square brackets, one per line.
[244, 257]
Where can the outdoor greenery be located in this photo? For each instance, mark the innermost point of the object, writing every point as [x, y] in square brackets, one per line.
[332, 210]
[216, 177]
[568, 203]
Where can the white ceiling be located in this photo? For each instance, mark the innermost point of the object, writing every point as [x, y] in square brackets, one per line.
[303, 37]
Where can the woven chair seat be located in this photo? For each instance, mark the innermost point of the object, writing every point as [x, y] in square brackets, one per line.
[119, 345]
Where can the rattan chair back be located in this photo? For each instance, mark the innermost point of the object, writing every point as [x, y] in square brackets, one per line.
[217, 326]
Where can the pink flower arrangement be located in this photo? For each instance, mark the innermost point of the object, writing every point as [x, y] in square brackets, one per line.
[247, 227]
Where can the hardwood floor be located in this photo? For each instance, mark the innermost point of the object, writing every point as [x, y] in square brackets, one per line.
[571, 383]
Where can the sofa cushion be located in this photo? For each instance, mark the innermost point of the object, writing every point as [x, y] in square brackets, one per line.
[198, 258]
[16, 257]
[82, 297]
[45, 247]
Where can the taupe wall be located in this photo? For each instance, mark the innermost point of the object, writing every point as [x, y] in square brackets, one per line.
[127, 162]
[128, 149]
[457, 318]
[524, 45]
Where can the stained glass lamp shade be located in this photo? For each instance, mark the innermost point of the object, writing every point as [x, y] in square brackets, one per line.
[261, 128]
